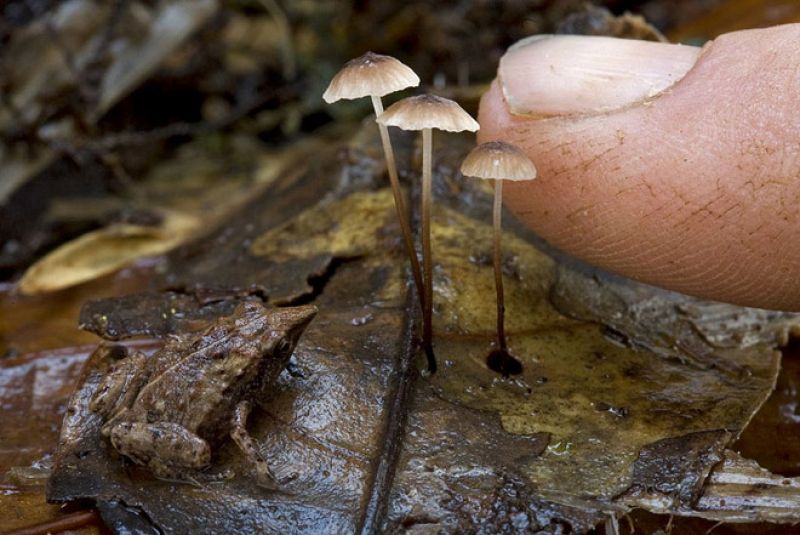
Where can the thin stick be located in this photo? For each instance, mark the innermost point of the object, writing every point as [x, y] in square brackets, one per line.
[72, 521]
[286, 43]
[612, 525]
[92, 72]
[427, 317]
[399, 205]
[498, 269]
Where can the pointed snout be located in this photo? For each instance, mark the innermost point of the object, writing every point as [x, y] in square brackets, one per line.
[304, 314]
[295, 319]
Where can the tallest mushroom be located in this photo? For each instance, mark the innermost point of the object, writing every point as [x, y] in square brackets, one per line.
[426, 112]
[375, 75]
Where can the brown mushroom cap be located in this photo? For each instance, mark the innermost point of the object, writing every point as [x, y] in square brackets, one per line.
[498, 160]
[370, 75]
[428, 111]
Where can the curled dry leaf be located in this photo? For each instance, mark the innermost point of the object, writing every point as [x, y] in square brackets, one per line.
[103, 251]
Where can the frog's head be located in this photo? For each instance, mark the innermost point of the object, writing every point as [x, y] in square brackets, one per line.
[275, 331]
[286, 326]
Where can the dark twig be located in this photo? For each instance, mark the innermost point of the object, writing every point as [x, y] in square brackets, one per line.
[69, 58]
[87, 81]
[70, 522]
[131, 139]
[92, 72]
[287, 44]
[5, 95]
[392, 440]
[112, 162]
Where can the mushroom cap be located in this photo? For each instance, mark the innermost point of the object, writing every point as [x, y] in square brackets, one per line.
[428, 111]
[370, 75]
[498, 160]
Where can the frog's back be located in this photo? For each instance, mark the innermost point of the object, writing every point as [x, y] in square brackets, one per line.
[200, 390]
[197, 382]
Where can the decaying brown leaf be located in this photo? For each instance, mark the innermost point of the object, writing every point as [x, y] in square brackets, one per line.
[628, 396]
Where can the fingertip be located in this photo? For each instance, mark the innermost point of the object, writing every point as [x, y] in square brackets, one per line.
[690, 191]
[493, 115]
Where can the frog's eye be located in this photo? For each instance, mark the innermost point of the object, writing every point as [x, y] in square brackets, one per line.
[284, 347]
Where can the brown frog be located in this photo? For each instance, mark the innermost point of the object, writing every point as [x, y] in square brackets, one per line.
[167, 411]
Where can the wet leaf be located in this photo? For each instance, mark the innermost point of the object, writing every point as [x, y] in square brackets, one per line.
[323, 427]
[150, 314]
[633, 395]
[33, 388]
[628, 396]
[23, 510]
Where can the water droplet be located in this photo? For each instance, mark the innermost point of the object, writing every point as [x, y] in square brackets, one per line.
[361, 320]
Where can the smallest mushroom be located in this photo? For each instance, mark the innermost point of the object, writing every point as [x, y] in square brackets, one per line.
[499, 161]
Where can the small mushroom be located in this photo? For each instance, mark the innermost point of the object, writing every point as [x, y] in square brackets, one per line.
[375, 75]
[426, 112]
[499, 161]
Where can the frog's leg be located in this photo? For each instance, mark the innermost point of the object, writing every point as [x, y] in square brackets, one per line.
[168, 449]
[248, 446]
[120, 386]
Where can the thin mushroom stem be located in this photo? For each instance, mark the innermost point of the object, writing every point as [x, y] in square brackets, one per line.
[498, 270]
[399, 205]
[427, 315]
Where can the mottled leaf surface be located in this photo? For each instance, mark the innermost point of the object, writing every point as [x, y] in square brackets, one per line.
[628, 395]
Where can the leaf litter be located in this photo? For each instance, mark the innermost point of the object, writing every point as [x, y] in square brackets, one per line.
[628, 396]
[625, 396]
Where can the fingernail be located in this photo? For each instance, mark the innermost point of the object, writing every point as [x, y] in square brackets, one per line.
[569, 74]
